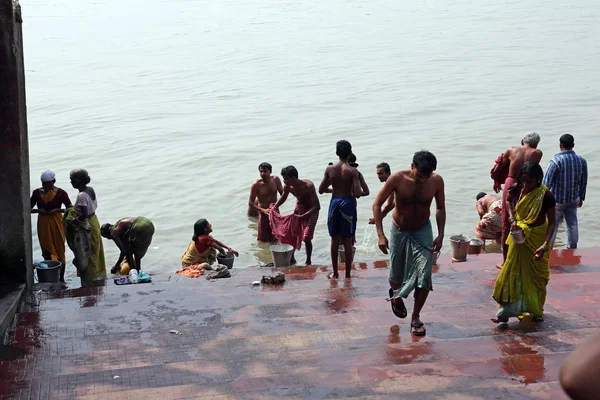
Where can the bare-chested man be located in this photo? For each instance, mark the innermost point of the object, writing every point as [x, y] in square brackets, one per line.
[383, 173]
[307, 205]
[263, 193]
[513, 160]
[413, 246]
[341, 221]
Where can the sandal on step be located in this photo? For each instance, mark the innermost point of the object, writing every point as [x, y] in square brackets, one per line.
[399, 312]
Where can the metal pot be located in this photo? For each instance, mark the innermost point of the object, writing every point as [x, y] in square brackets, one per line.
[475, 246]
[518, 236]
[460, 247]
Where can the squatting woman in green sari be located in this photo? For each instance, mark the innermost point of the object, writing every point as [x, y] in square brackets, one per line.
[83, 232]
[521, 285]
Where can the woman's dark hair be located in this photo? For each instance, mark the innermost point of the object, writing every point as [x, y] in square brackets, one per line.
[480, 195]
[533, 170]
[199, 228]
[80, 176]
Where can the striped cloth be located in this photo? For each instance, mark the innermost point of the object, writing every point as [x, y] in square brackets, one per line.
[567, 177]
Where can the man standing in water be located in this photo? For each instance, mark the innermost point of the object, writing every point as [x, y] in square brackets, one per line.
[383, 173]
[265, 191]
[341, 220]
[412, 246]
[307, 205]
[513, 159]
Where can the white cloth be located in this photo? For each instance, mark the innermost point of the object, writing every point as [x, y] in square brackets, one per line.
[48, 176]
[85, 205]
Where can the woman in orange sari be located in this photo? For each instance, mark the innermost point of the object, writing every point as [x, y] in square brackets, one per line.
[49, 200]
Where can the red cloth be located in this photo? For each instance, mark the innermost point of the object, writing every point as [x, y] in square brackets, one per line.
[203, 242]
[508, 183]
[286, 229]
[265, 234]
[499, 175]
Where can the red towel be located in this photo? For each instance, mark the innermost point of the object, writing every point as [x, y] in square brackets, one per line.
[287, 229]
[499, 175]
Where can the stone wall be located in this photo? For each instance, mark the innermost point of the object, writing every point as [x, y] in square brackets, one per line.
[15, 215]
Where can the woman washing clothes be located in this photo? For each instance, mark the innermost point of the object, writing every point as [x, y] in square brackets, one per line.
[521, 285]
[51, 233]
[202, 250]
[83, 232]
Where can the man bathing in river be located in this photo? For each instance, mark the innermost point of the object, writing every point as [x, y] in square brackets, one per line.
[263, 193]
[383, 173]
[513, 159]
[412, 246]
[341, 220]
[307, 205]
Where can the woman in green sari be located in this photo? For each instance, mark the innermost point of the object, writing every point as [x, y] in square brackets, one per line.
[521, 285]
[83, 232]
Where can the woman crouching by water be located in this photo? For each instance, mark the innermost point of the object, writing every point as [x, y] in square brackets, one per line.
[203, 247]
[83, 232]
[521, 284]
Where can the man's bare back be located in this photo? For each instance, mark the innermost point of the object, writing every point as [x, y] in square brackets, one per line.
[343, 178]
[519, 155]
[305, 192]
[413, 200]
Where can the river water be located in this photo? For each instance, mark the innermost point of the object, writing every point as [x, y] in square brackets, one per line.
[171, 106]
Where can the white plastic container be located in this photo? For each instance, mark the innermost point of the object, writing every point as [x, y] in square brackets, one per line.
[133, 276]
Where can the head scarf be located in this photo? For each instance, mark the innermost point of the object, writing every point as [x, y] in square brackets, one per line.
[48, 176]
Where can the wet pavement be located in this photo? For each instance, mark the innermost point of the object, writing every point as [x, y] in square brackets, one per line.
[309, 338]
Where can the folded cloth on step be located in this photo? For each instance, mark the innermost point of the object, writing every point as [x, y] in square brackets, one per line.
[217, 271]
[123, 280]
[193, 271]
[144, 277]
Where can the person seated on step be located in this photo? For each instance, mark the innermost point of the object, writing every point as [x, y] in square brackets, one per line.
[203, 247]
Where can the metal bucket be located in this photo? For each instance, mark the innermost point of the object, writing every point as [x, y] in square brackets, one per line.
[460, 247]
[227, 259]
[342, 253]
[518, 236]
[50, 274]
[475, 246]
[282, 255]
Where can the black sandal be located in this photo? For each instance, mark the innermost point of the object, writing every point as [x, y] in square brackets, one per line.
[418, 326]
[398, 312]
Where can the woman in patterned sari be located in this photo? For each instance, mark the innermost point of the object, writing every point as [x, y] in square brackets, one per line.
[83, 232]
[521, 285]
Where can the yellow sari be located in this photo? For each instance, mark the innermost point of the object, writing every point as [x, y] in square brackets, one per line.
[193, 257]
[521, 285]
[51, 233]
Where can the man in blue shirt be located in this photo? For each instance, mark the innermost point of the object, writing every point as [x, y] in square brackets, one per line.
[566, 178]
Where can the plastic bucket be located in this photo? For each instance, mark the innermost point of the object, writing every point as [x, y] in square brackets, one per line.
[518, 236]
[227, 259]
[282, 255]
[475, 246]
[50, 274]
[460, 247]
[342, 254]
